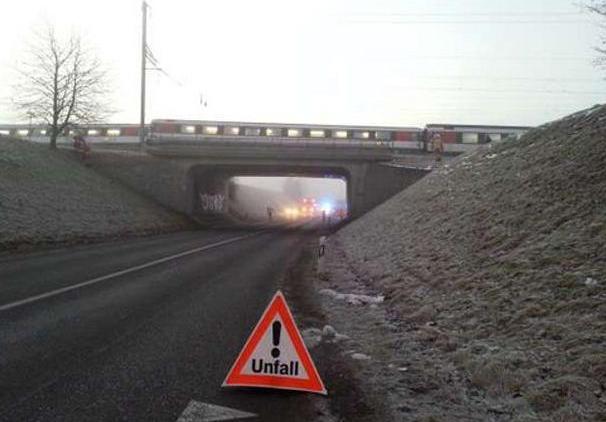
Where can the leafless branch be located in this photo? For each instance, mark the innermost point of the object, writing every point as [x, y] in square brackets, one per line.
[598, 7]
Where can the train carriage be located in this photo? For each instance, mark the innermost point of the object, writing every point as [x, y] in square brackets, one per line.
[456, 138]
[462, 138]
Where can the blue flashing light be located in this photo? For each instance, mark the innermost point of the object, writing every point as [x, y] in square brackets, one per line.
[326, 207]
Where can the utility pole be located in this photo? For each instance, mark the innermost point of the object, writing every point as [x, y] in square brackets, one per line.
[143, 65]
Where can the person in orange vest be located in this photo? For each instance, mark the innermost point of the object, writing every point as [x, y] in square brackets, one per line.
[437, 146]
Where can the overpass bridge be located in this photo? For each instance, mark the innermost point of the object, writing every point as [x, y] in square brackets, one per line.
[205, 163]
[183, 160]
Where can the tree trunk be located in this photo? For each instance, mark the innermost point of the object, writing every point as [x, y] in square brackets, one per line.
[53, 139]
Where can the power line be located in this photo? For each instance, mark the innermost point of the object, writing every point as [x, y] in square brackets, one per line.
[150, 56]
[489, 98]
[517, 102]
[442, 107]
[467, 21]
[466, 14]
[511, 78]
[522, 91]
[503, 17]
[505, 58]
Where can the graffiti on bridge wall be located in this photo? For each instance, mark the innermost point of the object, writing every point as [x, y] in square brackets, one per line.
[210, 203]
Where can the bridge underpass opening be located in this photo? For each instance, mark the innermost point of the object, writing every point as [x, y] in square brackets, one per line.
[287, 198]
[208, 188]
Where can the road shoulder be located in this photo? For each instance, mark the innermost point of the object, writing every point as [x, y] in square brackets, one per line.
[350, 396]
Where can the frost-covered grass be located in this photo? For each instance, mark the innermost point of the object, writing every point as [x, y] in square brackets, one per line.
[50, 196]
[486, 262]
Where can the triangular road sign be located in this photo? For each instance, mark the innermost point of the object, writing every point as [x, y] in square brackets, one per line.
[275, 356]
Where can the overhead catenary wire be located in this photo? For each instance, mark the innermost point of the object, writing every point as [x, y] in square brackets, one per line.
[481, 56]
[149, 55]
[537, 17]
[509, 78]
[512, 91]
[493, 14]
[465, 22]
[152, 59]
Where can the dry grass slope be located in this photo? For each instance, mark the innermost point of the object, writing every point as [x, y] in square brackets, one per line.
[50, 197]
[504, 251]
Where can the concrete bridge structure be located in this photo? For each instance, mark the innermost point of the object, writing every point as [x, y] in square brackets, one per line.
[211, 163]
[177, 170]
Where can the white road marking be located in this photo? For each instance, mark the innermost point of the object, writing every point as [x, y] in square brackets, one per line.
[56, 292]
[206, 412]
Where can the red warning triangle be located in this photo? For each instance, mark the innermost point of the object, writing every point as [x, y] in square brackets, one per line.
[275, 356]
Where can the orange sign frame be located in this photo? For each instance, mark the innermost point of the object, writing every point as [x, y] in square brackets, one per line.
[236, 377]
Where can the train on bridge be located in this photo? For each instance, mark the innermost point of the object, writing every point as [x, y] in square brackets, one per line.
[456, 138]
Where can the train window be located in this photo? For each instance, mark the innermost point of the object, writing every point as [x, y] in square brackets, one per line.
[210, 130]
[316, 133]
[494, 137]
[5, 132]
[188, 129]
[231, 130]
[23, 132]
[273, 131]
[470, 138]
[383, 135]
[361, 134]
[252, 131]
[113, 132]
[93, 132]
[42, 132]
[339, 133]
[295, 133]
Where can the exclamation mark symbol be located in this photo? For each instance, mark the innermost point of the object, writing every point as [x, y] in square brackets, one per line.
[276, 328]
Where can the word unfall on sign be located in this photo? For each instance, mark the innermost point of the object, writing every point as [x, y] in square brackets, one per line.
[275, 356]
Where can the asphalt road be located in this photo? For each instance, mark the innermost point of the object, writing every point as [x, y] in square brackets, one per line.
[141, 345]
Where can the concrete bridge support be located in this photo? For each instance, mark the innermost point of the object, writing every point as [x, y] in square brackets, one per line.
[379, 182]
[179, 183]
[165, 181]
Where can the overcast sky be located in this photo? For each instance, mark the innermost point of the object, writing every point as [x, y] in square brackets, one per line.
[383, 62]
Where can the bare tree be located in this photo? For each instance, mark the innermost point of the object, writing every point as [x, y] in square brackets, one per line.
[599, 7]
[61, 85]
